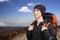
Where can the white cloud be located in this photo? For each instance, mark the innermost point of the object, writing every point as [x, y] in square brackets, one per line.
[15, 22]
[30, 4]
[39, 3]
[24, 9]
[2, 24]
[4, 0]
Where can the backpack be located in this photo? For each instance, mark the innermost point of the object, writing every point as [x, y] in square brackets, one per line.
[50, 18]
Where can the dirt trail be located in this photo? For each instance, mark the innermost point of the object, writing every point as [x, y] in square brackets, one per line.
[58, 35]
[20, 37]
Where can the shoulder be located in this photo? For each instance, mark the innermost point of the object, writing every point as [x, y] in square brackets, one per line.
[50, 25]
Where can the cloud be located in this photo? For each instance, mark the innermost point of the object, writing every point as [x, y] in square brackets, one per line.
[24, 9]
[30, 4]
[15, 22]
[4, 0]
[2, 24]
[38, 3]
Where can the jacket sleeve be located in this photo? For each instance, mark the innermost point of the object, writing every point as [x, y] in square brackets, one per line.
[49, 33]
[28, 34]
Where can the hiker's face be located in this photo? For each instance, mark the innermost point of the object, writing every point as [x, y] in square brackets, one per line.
[37, 13]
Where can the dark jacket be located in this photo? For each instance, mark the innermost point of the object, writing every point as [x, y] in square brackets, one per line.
[37, 34]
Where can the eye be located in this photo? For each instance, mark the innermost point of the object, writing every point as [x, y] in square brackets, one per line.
[37, 10]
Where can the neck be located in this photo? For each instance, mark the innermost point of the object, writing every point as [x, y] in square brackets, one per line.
[39, 20]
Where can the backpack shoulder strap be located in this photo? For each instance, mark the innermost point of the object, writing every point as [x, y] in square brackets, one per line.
[46, 24]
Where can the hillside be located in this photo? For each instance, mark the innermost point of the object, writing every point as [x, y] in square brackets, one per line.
[18, 33]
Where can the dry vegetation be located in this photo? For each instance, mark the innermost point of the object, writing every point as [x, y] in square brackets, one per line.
[19, 34]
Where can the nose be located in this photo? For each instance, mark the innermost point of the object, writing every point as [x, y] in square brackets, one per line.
[35, 12]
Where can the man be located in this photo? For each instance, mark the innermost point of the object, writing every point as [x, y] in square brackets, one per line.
[37, 30]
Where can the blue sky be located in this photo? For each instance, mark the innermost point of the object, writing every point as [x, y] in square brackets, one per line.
[20, 12]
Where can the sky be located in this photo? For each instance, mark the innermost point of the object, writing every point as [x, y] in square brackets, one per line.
[20, 12]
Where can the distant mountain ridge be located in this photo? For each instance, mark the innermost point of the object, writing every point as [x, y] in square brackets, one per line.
[10, 28]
